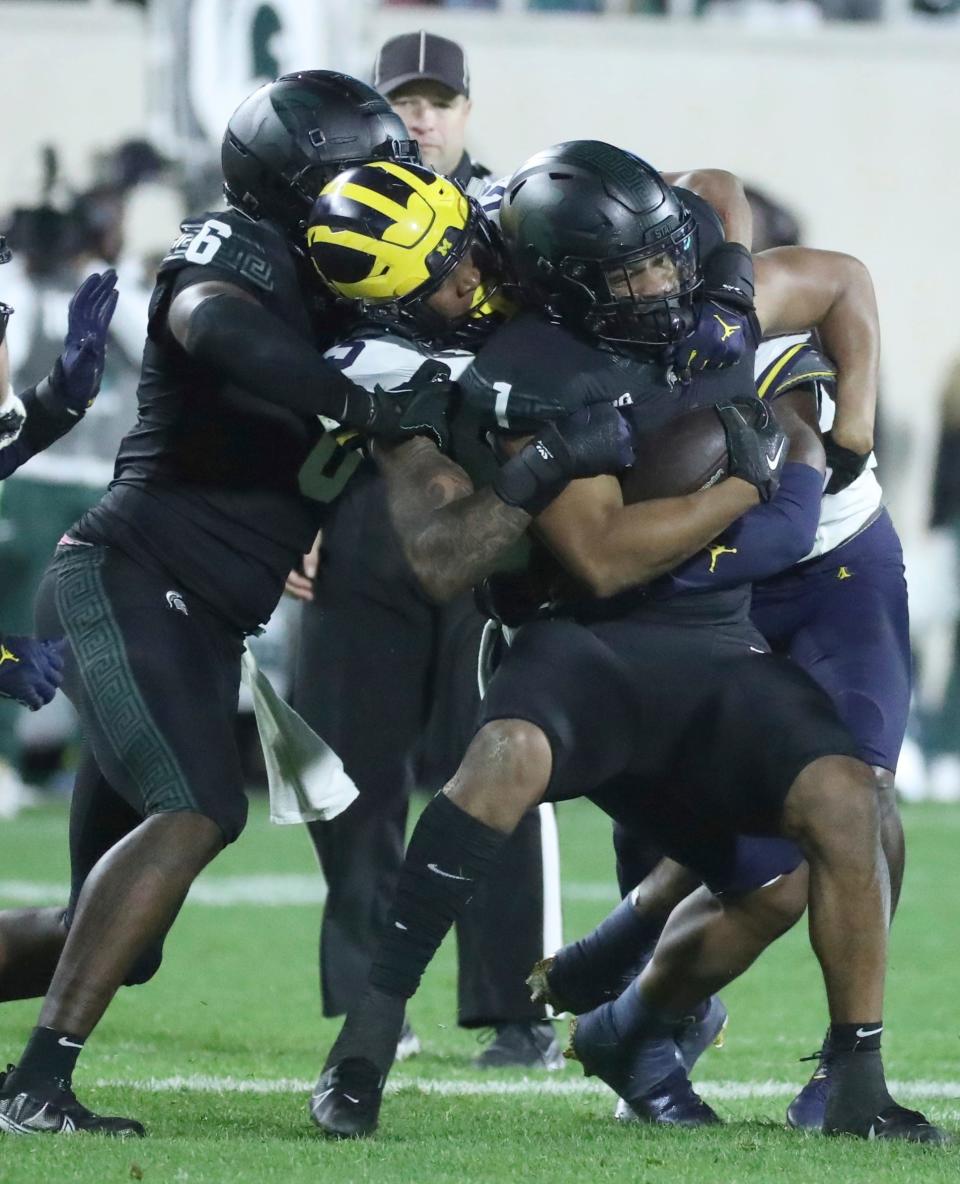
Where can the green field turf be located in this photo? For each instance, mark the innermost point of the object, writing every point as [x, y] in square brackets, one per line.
[216, 1054]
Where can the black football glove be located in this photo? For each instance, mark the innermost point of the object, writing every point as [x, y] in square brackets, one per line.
[594, 440]
[844, 464]
[77, 373]
[756, 444]
[418, 408]
[31, 669]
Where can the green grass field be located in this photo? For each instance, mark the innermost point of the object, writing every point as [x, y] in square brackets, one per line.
[216, 1055]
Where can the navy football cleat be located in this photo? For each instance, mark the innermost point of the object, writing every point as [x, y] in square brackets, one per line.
[648, 1076]
[32, 1106]
[697, 1032]
[347, 1098]
[807, 1110]
[674, 1102]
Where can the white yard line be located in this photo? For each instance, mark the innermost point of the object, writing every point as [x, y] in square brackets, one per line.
[726, 1091]
[266, 891]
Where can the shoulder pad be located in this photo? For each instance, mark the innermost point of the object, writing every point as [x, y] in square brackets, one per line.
[796, 365]
[532, 370]
[253, 251]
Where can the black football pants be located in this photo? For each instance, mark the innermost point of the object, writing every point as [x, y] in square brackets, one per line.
[390, 682]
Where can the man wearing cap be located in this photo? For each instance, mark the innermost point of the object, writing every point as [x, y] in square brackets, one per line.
[390, 682]
[426, 79]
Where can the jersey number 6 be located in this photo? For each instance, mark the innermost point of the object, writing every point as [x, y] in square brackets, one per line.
[207, 241]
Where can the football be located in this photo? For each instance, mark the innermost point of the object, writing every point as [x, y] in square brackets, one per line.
[685, 454]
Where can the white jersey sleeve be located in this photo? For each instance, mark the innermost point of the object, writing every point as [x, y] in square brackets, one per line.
[841, 514]
[390, 361]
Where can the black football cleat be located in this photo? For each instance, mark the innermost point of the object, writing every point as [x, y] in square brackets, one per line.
[522, 1044]
[347, 1098]
[806, 1111]
[897, 1122]
[32, 1106]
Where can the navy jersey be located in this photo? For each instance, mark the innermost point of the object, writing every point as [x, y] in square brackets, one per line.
[208, 484]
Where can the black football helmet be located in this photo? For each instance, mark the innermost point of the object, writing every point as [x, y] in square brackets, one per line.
[598, 238]
[289, 138]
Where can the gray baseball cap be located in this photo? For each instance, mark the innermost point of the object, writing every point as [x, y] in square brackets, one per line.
[411, 57]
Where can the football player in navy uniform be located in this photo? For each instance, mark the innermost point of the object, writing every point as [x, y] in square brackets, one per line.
[651, 704]
[31, 669]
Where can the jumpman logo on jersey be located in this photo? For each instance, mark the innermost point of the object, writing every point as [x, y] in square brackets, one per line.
[728, 330]
[844, 573]
[715, 553]
[446, 246]
[6, 655]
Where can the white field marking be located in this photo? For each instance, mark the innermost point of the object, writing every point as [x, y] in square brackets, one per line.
[267, 891]
[726, 1091]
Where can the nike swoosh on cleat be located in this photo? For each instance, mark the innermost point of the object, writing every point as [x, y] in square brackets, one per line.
[356, 1101]
[447, 875]
[68, 1043]
[863, 1032]
[400, 925]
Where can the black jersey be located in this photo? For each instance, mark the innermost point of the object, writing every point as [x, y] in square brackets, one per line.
[532, 365]
[207, 485]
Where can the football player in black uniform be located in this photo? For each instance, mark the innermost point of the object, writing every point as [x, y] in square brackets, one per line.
[217, 490]
[653, 706]
[31, 668]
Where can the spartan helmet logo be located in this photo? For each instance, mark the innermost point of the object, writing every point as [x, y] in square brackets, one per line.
[176, 601]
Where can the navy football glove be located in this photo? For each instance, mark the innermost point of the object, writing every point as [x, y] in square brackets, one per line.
[78, 371]
[31, 669]
[721, 338]
[756, 444]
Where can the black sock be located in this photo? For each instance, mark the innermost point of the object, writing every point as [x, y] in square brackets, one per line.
[864, 1037]
[587, 972]
[449, 855]
[51, 1053]
[450, 852]
[858, 1088]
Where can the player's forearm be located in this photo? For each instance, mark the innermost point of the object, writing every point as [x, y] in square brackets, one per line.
[451, 534]
[850, 333]
[46, 420]
[724, 191]
[769, 539]
[461, 543]
[636, 544]
[244, 342]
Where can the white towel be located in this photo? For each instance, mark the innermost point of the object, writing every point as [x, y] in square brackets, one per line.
[306, 777]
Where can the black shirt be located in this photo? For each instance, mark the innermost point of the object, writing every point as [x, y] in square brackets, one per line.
[206, 484]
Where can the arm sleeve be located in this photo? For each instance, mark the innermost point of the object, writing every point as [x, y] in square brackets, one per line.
[47, 420]
[254, 349]
[766, 540]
